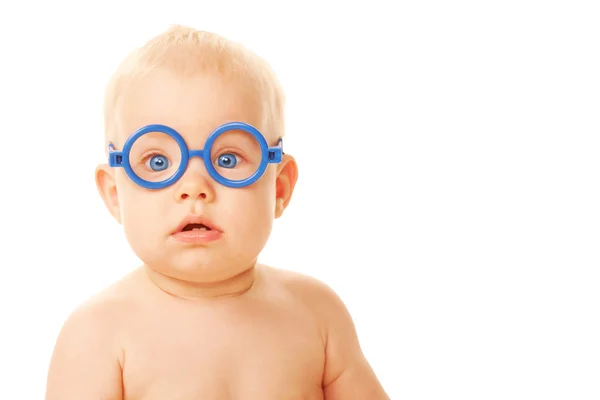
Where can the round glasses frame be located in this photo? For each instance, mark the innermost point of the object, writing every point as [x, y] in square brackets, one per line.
[270, 155]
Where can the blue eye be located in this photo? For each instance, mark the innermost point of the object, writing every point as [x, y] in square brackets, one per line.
[158, 163]
[227, 160]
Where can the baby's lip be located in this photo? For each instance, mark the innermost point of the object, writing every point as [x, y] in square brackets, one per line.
[199, 220]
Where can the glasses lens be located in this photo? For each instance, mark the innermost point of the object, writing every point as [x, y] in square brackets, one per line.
[235, 155]
[155, 156]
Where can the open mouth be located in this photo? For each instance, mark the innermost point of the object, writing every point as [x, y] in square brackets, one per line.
[195, 227]
[196, 224]
[197, 230]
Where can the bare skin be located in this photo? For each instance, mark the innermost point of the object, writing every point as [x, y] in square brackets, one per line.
[273, 334]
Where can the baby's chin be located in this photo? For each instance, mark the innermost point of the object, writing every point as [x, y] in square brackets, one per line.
[202, 279]
[195, 267]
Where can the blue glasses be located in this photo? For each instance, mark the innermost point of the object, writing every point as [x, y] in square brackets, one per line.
[235, 155]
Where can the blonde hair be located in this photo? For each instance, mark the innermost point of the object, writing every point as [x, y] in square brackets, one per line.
[187, 51]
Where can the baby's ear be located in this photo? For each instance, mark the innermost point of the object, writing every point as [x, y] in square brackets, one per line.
[107, 187]
[287, 175]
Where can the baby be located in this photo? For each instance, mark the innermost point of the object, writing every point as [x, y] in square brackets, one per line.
[197, 171]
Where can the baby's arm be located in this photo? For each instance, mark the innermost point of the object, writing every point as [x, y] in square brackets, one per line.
[348, 374]
[85, 363]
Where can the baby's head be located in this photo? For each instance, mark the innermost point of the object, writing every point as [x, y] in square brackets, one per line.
[196, 174]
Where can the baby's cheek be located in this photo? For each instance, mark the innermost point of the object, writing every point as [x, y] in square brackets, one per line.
[141, 222]
[255, 224]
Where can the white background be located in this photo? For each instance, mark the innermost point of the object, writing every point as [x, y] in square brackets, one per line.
[449, 180]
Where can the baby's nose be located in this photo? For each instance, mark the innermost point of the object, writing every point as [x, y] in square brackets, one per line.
[195, 183]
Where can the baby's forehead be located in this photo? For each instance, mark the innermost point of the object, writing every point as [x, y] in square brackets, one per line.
[194, 132]
[194, 107]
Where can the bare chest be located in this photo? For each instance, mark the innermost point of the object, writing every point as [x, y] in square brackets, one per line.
[255, 355]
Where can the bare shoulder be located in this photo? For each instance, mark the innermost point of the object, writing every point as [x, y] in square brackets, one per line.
[104, 311]
[303, 286]
[318, 296]
[87, 357]
[348, 374]
[323, 302]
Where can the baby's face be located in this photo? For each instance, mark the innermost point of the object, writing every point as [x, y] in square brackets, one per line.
[240, 218]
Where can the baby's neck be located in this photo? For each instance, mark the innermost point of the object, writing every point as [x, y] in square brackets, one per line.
[232, 287]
